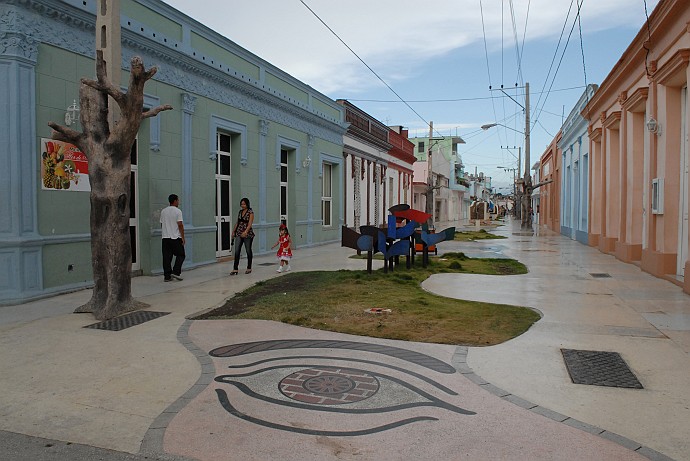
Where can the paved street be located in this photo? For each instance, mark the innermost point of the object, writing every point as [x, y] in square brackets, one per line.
[173, 388]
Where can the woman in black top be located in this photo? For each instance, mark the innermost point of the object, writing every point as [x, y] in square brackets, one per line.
[244, 235]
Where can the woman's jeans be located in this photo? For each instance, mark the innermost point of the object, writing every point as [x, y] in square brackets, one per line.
[247, 242]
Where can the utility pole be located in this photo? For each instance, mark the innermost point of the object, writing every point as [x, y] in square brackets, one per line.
[109, 41]
[527, 185]
[430, 179]
[517, 194]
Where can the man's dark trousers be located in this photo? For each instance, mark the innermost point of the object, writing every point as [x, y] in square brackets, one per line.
[172, 247]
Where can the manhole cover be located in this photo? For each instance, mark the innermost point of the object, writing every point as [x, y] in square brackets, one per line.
[600, 275]
[599, 368]
[127, 320]
[329, 385]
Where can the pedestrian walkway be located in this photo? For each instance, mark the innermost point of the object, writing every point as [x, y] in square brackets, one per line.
[245, 389]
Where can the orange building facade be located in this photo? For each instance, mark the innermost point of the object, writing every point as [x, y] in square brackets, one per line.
[638, 142]
[550, 194]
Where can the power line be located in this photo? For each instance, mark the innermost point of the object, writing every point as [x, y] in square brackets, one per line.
[579, 6]
[555, 53]
[460, 99]
[362, 61]
[486, 52]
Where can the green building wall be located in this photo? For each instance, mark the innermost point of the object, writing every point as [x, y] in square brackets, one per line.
[212, 84]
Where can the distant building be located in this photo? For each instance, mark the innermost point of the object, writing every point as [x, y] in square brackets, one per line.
[574, 150]
[451, 198]
[377, 168]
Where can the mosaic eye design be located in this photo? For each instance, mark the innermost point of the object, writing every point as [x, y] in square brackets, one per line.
[330, 389]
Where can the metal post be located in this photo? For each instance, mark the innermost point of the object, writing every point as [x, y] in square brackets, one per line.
[430, 178]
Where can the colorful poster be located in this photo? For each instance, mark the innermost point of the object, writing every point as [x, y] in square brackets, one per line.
[63, 167]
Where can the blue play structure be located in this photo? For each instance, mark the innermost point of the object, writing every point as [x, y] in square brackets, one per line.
[397, 239]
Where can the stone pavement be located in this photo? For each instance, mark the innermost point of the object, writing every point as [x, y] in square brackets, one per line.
[257, 390]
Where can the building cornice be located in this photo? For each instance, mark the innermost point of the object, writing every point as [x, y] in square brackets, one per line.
[60, 24]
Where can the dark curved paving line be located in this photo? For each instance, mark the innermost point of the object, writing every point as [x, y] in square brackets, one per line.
[225, 402]
[350, 359]
[460, 363]
[402, 354]
[153, 440]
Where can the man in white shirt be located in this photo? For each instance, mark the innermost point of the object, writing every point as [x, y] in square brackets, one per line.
[172, 230]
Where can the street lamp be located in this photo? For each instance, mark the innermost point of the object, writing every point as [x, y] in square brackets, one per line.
[491, 125]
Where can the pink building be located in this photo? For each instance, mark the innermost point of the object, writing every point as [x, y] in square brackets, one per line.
[638, 135]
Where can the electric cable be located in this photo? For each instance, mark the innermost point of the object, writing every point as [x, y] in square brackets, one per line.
[365, 64]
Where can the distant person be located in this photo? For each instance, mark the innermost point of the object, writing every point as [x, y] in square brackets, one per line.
[172, 231]
[243, 235]
[284, 245]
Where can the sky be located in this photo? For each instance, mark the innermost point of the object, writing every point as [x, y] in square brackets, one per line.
[412, 62]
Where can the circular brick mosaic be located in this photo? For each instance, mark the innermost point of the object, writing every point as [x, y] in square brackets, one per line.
[329, 385]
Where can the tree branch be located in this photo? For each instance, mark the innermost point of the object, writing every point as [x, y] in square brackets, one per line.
[105, 87]
[148, 75]
[155, 111]
[62, 133]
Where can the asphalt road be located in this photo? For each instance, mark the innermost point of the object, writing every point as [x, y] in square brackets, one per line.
[20, 447]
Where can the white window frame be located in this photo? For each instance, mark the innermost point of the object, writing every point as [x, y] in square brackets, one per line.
[658, 196]
[327, 196]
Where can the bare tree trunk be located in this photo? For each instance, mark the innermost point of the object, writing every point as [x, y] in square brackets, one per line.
[108, 151]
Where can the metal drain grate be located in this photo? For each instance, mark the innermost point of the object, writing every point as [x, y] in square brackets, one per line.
[600, 275]
[268, 264]
[127, 320]
[599, 368]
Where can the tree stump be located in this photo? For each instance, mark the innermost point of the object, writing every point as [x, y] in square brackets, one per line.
[108, 151]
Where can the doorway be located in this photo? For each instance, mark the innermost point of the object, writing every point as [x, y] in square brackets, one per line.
[223, 195]
[284, 186]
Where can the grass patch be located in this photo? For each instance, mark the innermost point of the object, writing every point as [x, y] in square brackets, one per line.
[471, 236]
[336, 301]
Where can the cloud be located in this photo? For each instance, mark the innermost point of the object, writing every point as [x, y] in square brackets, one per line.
[393, 37]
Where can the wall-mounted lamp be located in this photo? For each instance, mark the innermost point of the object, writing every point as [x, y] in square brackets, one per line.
[653, 126]
[72, 114]
[306, 162]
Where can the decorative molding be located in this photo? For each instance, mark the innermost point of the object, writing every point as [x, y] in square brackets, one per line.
[222, 124]
[290, 144]
[64, 26]
[151, 102]
[188, 103]
[652, 66]
[613, 120]
[14, 42]
[595, 134]
[637, 102]
[263, 127]
[622, 97]
[676, 66]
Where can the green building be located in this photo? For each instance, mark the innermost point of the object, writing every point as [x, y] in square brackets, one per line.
[240, 128]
